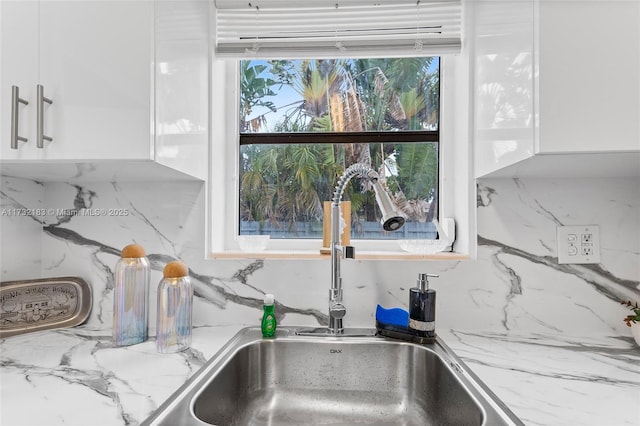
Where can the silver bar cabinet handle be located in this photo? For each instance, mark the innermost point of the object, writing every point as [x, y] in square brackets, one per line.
[40, 137]
[16, 100]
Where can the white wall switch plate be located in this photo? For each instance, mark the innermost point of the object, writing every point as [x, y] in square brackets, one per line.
[579, 244]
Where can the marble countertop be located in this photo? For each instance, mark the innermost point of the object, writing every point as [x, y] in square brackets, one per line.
[77, 377]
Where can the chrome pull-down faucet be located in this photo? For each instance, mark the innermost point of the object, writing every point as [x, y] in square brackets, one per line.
[391, 221]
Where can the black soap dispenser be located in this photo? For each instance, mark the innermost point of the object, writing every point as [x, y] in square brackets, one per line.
[422, 308]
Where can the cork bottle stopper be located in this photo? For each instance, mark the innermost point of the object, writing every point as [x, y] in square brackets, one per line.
[175, 269]
[133, 250]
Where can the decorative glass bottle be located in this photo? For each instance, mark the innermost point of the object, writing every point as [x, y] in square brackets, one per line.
[130, 294]
[175, 307]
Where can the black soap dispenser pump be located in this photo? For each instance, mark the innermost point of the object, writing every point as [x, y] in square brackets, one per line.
[422, 308]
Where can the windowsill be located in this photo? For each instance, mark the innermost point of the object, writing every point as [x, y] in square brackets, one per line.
[314, 254]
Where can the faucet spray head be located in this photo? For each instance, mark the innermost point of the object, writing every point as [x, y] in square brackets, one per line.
[391, 219]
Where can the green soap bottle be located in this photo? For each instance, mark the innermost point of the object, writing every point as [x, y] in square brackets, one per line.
[269, 317]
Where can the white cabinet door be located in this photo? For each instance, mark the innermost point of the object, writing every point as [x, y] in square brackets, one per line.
[96, 67]
[503, 100]
[182, 82]
[589, 76]
[556, 88]
[18, 67]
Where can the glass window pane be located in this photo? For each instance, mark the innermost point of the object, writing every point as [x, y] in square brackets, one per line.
[283, 187]
[339, 95]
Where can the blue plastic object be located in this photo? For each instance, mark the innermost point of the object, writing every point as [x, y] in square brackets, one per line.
[393, 316]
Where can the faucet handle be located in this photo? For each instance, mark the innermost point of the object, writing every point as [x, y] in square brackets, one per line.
[349, 252]
[337, 310]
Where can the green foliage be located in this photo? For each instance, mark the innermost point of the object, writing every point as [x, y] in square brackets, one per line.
[253, 90]
[632, 318]
[290, 182]
[417, 170]
[280, 182]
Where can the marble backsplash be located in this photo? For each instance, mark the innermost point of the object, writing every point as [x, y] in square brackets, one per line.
[514, 286]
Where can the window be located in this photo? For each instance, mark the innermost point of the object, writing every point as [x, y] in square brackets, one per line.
[303, 122]
[257, 122]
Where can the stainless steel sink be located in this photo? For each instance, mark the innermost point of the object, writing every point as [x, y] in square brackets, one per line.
[296, 380]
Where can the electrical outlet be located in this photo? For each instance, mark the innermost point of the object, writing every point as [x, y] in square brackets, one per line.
[578, 244]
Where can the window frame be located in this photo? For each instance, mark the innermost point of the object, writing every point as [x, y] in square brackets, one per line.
[405, 136]
[223, 193]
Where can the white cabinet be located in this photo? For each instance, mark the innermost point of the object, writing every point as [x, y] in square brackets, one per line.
[589, 76]
[19, 68]
[94, 61]
[556, 88]
[113, 81]
[503, 83]
[96, 65]
[182, 85]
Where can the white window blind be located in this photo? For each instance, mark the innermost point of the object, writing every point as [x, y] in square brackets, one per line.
[281, 29]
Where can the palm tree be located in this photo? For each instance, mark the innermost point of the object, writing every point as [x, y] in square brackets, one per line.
[254, 90]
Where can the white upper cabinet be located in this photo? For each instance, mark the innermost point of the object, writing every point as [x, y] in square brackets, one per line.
[19, 69]
[589, 76]
[556, 88]
[94, 63]
[127, 80]
[96, 67]
[503, 74]
[182, 85]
